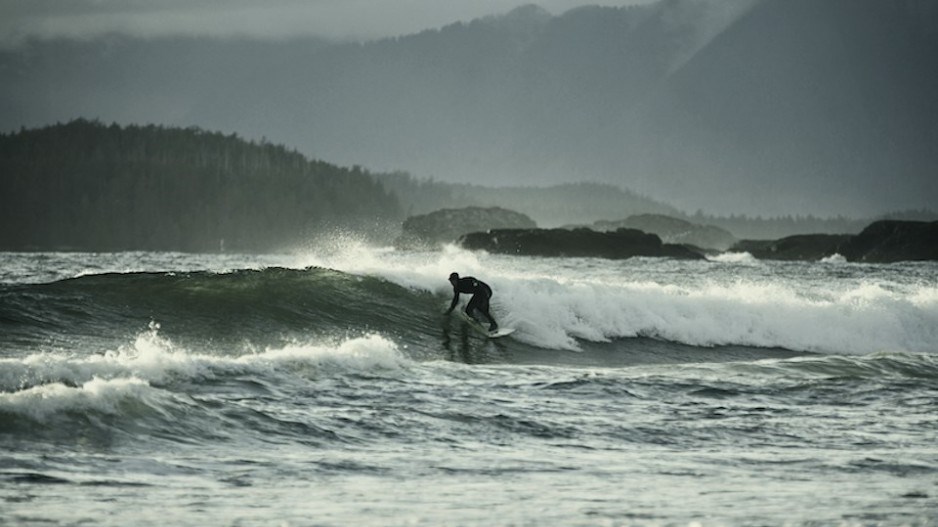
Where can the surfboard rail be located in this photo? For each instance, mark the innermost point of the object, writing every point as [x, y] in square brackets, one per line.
[500, 332]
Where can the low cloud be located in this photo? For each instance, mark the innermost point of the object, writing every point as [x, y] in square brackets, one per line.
[340, 19]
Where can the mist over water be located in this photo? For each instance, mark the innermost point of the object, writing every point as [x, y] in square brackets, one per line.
[349, 20]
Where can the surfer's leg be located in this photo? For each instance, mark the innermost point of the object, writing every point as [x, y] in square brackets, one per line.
[480, 303]
[472, 305]
[484, 308]
[492, 324]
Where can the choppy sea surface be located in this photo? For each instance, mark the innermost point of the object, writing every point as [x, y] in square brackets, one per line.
[328, 388]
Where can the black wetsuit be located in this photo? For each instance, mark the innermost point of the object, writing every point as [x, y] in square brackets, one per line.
[481, 294]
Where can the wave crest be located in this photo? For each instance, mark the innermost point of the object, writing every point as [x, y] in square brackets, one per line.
[155, 360]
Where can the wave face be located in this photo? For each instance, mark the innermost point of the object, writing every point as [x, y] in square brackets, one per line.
[570, 305]
[258, 306]
[833, 307]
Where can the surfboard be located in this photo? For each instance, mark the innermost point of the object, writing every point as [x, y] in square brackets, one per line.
[500, 332]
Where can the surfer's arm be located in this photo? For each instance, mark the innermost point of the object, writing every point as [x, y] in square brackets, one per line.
[452, 304]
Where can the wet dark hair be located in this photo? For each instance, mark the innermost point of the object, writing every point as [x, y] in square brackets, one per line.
[454, 276]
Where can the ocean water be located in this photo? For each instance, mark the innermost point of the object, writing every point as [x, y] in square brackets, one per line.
[328, 388]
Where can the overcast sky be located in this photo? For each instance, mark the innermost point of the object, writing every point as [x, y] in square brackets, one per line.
[357, 19]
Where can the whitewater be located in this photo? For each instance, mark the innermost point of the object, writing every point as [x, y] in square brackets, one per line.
[327, 387]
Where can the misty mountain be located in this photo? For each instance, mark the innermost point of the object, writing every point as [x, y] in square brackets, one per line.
[565, 204]
[753, 106]
[830, 101]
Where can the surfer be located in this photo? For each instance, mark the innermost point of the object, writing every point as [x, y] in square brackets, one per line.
[481, 294]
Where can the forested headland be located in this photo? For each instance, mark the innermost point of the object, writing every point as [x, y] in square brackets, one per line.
[85, 185]
[88, 186]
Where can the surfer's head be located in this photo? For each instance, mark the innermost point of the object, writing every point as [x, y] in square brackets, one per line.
[453, 277]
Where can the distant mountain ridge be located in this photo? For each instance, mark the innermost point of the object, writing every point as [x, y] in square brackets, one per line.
[756, 106]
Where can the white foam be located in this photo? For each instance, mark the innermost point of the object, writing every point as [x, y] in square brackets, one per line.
[154, 359]
[864, 319]
[835, 258]
[100, 395]
[554, 303]
[369, 353]
[737, 258]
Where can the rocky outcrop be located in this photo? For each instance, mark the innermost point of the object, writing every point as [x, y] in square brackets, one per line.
[674, 230]
[583, 242]
[808, 247]
[428, 231]
[881, 242]
[894, 241]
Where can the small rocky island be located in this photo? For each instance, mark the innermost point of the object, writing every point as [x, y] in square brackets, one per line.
[883, 241]
[673, 230]
[430, 231]
[502, 231]
[582, 242]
